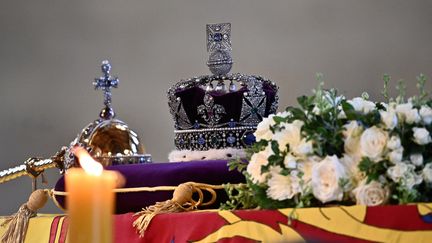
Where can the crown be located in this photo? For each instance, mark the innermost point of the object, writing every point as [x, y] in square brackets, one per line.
[221, 110]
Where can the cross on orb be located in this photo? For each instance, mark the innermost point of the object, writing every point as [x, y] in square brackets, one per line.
[105, 83]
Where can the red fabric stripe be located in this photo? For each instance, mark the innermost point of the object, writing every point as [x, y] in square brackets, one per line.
[53, 230]
[271, 218]
[398, 217]
[312, 233]
[124, 231]
[64, 229]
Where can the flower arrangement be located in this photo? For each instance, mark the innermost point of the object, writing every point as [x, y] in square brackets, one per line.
[333, 150]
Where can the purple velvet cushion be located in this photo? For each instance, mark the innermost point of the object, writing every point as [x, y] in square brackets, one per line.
[166, 174]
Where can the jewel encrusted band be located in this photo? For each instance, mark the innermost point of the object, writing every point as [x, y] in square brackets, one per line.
[215, 138]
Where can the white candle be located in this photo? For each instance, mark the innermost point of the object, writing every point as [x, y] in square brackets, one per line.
[90, 201]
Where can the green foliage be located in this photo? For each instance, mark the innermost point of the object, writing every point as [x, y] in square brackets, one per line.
[401, 88]
[237, 164]
[373, 170]
[385, 92]
[401, 195]
[258, 146]
[239, 196]
[422, 97]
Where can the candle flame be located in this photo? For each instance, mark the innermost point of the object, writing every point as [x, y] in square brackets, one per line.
[89, 165]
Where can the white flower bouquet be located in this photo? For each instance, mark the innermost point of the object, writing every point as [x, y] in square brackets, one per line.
[333, 150]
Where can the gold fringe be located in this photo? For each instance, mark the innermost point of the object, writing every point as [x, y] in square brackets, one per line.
[182, 201]
[18, 222]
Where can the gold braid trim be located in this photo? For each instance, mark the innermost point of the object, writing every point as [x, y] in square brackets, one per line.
[53, 192]
[199, 187]
[181, 201]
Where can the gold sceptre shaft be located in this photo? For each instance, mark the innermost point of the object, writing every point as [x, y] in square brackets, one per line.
[33, 167]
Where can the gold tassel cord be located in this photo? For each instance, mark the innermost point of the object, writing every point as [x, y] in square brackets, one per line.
[53, 193]
[18, 223]
[182, 201]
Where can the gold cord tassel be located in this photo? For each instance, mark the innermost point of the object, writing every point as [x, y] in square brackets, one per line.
[18, 222]
[182, 201]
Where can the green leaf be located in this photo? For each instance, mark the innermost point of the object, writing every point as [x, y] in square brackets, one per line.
[275, 159]
[275, 147]
[238, 164]
[279, 119]
[350, 113]
[297, 113]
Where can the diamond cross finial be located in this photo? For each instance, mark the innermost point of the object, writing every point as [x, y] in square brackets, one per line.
[105, 83]
[219, 48]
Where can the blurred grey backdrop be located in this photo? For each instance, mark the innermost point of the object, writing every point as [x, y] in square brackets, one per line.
[50, 51]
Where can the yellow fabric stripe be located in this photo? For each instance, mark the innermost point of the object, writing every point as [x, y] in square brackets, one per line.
[39, 229]
[347, 221]
[229, 216]
[59, 229]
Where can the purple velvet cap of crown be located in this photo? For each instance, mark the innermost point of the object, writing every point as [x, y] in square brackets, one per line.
[165, 174]
[232, 102]
[215, 118]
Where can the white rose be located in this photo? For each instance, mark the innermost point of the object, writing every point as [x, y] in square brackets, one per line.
[267, 152]
[389, 119]
[394, 143]
[325, 179]
[351, 133]
[421, 136]
[351, 165]
[361, 105]
[416, 159]
[257, 161]
[290, 161]
[282, 187]
[373, 141]
[395, 156]
[399, 171]
[427, 173]
[263, 131]
[289, 135]
[407, 113]
[275, 169]
[426, 114]
[411, 179]
[306, 168]
[303, 148]
[372, 194]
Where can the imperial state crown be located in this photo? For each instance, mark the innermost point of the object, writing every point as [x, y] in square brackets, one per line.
[216, 115]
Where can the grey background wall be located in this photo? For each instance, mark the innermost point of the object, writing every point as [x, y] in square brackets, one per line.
[50, 51]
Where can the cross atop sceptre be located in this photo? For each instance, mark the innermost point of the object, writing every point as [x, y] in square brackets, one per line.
[105, 83]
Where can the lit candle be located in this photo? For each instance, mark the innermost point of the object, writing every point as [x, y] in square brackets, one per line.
[90, 201]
